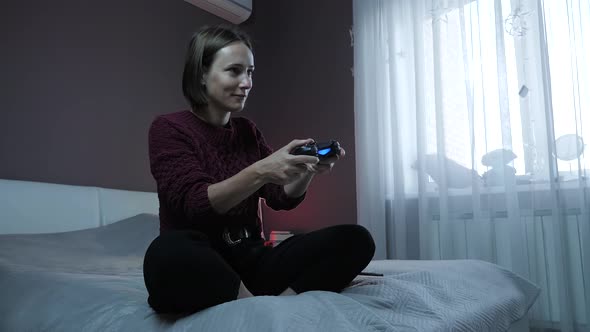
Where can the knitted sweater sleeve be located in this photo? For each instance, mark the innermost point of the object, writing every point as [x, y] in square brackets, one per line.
[274, 194]
[180, 178]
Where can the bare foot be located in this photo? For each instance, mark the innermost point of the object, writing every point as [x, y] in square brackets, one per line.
[244, 292]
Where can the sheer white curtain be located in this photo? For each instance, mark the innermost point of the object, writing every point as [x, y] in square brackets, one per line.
[472, 119]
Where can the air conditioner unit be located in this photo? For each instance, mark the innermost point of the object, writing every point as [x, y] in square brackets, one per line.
[235, 11]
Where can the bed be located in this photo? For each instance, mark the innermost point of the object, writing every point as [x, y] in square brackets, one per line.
[71, 260]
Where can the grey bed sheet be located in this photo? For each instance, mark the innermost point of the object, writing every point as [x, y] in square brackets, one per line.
[91, 280]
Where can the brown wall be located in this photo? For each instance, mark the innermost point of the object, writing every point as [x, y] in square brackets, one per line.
[303, 87]
[81, 81]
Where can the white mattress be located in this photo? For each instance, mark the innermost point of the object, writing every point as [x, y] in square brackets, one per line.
[91, 280]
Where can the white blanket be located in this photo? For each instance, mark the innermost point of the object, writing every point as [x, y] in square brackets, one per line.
[91, 280]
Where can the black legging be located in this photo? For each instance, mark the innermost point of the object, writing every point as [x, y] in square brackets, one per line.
[184, 271]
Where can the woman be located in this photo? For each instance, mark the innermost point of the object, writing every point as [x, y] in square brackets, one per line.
[211, 169]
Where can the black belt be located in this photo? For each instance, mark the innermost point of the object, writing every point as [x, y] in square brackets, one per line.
[235, 234]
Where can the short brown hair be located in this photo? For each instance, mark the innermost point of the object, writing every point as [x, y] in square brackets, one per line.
[200, 53]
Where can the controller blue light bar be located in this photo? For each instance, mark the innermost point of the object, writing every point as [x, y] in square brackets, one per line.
[324, 152]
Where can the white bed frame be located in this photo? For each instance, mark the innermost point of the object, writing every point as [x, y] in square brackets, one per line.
[37, 207]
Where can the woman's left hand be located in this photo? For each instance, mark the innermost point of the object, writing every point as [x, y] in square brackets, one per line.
[326, 165]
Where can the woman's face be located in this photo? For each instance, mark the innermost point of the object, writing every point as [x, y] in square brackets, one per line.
[229, 79]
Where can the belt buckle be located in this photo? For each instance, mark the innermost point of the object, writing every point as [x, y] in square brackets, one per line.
[227, 236]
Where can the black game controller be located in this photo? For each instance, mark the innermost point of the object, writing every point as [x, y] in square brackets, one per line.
[323, 150]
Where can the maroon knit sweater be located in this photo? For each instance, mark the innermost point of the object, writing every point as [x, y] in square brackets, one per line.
[187, 155]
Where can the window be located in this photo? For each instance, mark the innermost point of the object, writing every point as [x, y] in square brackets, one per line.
[569, 55]
[492, 88]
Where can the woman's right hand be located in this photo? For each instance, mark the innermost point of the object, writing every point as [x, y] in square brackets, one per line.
[282, 167]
